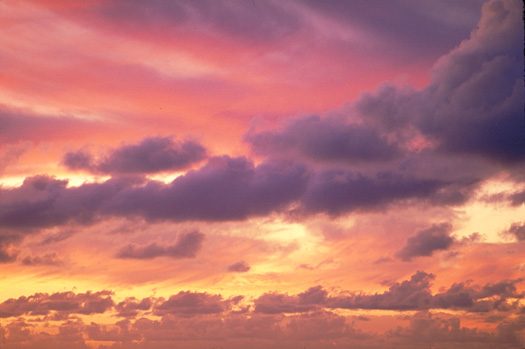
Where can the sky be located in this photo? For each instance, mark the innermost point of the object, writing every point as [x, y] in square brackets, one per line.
[262, 174]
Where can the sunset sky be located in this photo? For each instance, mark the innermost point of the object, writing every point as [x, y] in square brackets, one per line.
[262, 174]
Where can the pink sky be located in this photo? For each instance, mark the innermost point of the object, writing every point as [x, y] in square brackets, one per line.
[262, 174]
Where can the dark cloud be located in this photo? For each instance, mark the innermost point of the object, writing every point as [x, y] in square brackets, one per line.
[131, 306]
[413, 294]
[339, 191]
[224, 189]
[276, 303]
[149, 156]
[47, 259]
[425, 242]
[329, 139]
[187, 303]
[43, 201]
[187, 246]
[474, 103]
[240, 267]
[407, 295]
[408, 28]
[61, 302]
[79, 160]
[517, 199]
[517, 230]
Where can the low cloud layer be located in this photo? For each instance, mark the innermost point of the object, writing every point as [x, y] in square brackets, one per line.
[413, 294]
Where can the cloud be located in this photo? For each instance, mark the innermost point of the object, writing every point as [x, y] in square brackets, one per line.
[241, 21]
[426, 329]
[518, 199]
[187, 246]
[151, 155]
[407, 295]
[131, 306]
[19, 125]
[224, 189]
[43, 201]
[339, 191]
[188, 303]
[425, 242]
[240, 267]
[411, 28]
[474, 103]
[413, 294]
[7, 253]
[47, 259]
[517, 230]
[324, 140]
[61, 302]
[277, 303]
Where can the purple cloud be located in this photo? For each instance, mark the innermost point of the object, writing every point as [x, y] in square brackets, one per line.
[187, 246]
[329, 139]
[149, 156]
[277, 303]
[474, 103]
[517, 230]
[61, 302]
[339, 191]
[47, 259]
[425, 242]
[224, 189]
[130, 307]
[193, 303]
[240, 267]
[413, 294]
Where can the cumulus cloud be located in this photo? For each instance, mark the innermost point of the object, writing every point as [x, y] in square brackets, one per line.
[275, 303]
[224, 189]
[240, 267]
[187, 246]
[407, 295]
[329, 139]
[61, 302]
[413, 294]
[131, 306]
[425, 242]
[188, 303]
[339, 191]
[43, 201]
[517, 230]
[152, 155]
[518, 199]
[474, 103]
